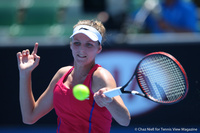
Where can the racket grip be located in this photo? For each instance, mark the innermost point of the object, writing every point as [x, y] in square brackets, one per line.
[113, 92]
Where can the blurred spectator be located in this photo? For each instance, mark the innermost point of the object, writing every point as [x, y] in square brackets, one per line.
[175, 16]
[162, 16]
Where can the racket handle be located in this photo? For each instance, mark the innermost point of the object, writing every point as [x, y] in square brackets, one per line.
[113, 92]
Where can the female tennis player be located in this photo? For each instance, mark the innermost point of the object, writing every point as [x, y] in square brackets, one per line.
[91, 115]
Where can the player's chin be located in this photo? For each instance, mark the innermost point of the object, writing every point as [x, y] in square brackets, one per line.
[81, 62]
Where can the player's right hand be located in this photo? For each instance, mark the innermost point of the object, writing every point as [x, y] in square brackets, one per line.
[28, 62]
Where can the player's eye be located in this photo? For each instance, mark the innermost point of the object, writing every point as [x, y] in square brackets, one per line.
[89, 45]
[77, 43]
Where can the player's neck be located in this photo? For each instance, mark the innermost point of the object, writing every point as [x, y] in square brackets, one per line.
[82, 70]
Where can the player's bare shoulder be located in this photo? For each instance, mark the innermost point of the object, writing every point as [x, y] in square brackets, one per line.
[102, 73]
[103, 78]
[62, 71]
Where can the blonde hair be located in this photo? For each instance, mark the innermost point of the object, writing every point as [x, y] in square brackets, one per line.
[94, 23]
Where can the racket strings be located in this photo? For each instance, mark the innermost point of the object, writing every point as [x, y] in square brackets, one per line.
[161, 79]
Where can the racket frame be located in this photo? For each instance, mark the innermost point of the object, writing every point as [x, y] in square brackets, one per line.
[120, 90]
[179, 66]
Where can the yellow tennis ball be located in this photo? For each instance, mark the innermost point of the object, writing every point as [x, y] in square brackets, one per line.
[81, 92]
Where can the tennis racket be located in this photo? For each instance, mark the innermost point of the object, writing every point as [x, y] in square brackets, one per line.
[161, 78]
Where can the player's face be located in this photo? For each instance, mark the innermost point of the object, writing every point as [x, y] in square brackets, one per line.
[84, 50]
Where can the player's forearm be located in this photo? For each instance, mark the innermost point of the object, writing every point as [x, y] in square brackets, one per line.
[119, 113]
[26, 98]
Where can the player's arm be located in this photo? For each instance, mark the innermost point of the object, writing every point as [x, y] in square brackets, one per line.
[102, 82]
[33, 110]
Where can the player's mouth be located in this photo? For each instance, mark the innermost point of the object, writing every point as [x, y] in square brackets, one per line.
[81, 56]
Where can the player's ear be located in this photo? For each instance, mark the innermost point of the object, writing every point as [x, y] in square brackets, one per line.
[99, 49]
